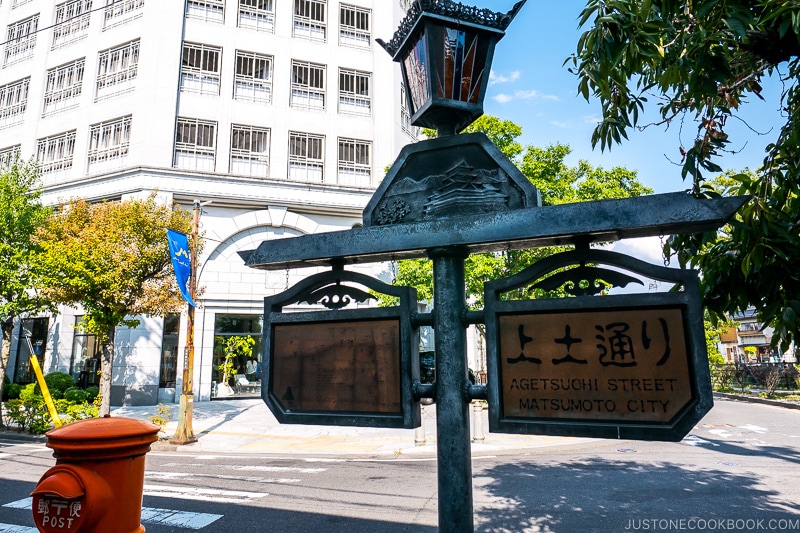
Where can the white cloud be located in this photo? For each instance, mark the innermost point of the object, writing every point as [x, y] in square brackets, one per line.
[497, 78]
[594, 120]
[531, 94]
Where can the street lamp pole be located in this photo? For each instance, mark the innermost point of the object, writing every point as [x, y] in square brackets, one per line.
[185, 434]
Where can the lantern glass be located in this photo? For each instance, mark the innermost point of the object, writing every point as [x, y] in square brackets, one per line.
[460, 63]
[417, 74]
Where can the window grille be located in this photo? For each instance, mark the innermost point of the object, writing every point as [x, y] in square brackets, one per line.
[354, 26]
[72, 22]
[405, 116]
[355, 162]
[121, 11]
[13, 102]
[21, 39]
[63, 87]
[306, 157]
[200, 69]
[309, 20]
[109, 143]
[8, 156]
[55, 153]
[257, 15]
[253, 78]
[195, 144]
[250, 151]
[308, 85]
[207, 10]
[117, 69]
[17, 3]
[354, 92]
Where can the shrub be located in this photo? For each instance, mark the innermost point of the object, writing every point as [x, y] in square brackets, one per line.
[75, 395]
[30, 392]
[57, 383]
[91, 393]
[12, 390]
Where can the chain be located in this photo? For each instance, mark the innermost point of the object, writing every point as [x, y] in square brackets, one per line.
[286, 286]
[663, 252]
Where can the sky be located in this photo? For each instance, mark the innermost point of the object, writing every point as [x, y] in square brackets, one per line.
[530, 86]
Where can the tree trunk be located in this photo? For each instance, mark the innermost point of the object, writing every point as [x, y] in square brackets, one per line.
[106, 360]
[7, 326]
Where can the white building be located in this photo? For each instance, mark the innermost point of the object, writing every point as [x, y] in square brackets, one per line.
[282, 113]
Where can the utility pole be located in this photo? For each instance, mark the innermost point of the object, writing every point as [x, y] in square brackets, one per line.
[185, 434]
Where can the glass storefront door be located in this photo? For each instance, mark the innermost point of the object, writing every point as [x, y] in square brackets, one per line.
[237, 356]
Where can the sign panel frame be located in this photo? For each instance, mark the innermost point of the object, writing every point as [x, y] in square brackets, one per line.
[582, 282]
[336, 337]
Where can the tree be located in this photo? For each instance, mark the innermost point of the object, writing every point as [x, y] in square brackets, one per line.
[702, 61]
[21, 214]
[113, 260]
[557, 182]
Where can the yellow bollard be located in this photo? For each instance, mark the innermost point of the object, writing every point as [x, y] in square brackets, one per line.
[48, 400]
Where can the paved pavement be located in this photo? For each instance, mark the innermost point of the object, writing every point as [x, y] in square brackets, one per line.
[247, 426]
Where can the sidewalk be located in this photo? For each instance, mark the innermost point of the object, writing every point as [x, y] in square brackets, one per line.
[247, 426]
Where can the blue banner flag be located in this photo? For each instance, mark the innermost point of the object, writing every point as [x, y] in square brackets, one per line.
[181, 261]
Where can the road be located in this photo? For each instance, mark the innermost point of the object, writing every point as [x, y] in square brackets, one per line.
[736, 471]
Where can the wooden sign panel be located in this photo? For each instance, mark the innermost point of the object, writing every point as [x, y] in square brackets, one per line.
[627, 365]
[349, 366]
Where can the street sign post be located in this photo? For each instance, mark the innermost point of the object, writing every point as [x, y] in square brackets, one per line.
[336, 366]
[630, 366]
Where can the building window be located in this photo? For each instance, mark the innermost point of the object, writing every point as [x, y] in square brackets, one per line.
[253, 79]
[355, 162]
[85, 362]
[308, 86]
[306, 157]
[309, 19]
[9, 156]
[249, 151]
[63, 87]
[21, 39]
[227, 326]
[354, 26]
[200, 69]
[109, 143]
[72, 21]
[354, 92]
[257, 15]
[117, 69]
[208, 10]
[169, 350]
[34, 329]
[55, 153]
[13, 102]
[405, 116]
[121, 11]
[195, 144]
[17, 3]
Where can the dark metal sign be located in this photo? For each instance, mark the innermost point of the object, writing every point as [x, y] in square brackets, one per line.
[626, 366]
[337, 366]
[342, 366]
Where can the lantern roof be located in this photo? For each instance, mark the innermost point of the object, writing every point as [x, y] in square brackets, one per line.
[449, 10]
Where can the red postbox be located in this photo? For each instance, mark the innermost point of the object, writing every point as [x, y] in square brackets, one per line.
[97, 483]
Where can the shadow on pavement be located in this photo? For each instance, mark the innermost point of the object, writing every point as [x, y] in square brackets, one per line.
[613, 495]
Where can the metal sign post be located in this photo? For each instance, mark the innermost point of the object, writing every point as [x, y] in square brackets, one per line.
[445, 199]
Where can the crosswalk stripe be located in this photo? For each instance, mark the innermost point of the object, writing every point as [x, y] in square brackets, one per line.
[11, 528]
[6, 455]
[252, 468]
[150, 515]
[183, 519]
[161, 476]
[206, 495]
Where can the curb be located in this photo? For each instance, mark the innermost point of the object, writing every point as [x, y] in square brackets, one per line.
[22, 437]
[754, 399]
